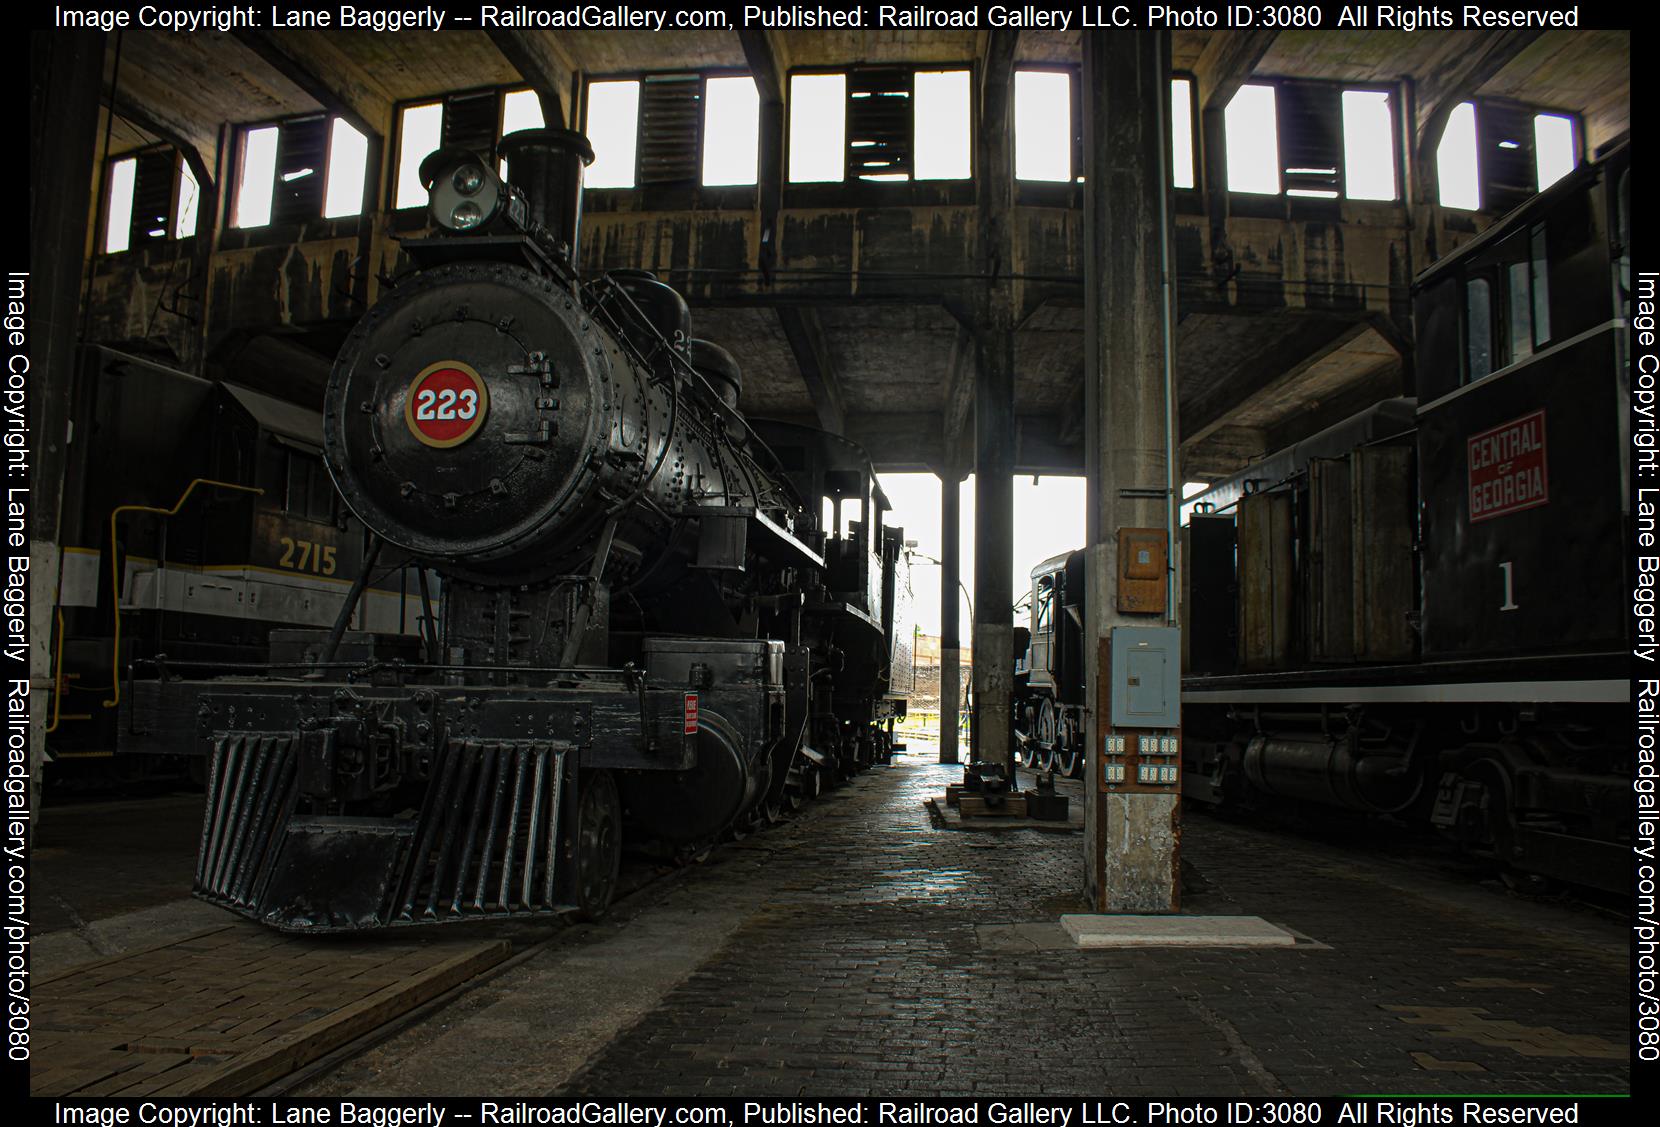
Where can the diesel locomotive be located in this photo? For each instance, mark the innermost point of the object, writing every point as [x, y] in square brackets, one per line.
[659, 621]
[1417, 613]
[197, 520]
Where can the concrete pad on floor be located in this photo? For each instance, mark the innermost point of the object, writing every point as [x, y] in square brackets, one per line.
[1175, 931]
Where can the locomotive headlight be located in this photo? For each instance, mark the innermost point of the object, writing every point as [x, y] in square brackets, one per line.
[468, 179]
[463, 193]
[465, 216]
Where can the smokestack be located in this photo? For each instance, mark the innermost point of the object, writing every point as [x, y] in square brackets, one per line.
[546, 165]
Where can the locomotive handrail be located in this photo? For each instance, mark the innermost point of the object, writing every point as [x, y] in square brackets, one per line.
[162, 663]
[115, 567]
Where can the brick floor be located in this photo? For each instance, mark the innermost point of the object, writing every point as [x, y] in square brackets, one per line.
[223, 1011]
[866, 971]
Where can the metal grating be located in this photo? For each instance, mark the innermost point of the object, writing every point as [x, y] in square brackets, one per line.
[879, 122]
[251, 793]
[671, 117]
[489, 833]
[302, 164]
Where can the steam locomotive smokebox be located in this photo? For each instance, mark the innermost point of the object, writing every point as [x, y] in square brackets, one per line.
[546, 165]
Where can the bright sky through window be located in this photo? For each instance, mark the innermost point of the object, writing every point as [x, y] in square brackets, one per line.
[1253, 141]
[818, 128]
[190, 202]
[1553, 147]
[1042, 125]
[1048, 520]
[419, 130]
[1455, 160]
[731, 130]
[259, 171]
[1181, 133]
[614, 131]
[941, 125]
[521, 109]
[118, 223]
[348, 162]
[1368, 145]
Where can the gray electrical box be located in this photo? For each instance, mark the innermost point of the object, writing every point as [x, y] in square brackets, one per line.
[1146, 677]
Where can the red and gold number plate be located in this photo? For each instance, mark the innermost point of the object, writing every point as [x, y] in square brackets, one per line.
[446, 404]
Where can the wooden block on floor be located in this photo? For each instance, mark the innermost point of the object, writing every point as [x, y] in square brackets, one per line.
[975, 806]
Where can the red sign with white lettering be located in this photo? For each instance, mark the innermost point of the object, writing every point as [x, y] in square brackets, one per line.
[1507, 468]
[445, 404]
[691, 714]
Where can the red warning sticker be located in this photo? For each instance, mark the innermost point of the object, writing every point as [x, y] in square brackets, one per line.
[691, 714]
[446, 404]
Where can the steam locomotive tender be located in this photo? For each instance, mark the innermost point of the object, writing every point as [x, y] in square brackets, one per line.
[643, 630]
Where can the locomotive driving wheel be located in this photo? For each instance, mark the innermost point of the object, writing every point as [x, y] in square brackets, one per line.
[1048, 729]
[598, 844]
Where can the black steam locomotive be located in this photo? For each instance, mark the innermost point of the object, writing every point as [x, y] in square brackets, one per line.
[646, 628]
[1417, 613]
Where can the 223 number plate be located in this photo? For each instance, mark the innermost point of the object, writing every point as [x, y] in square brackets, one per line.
[446, 404]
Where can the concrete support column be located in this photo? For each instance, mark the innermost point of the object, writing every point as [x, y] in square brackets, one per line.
[1131, 837]
[65, 80]
[993, 537]
[951, 653]
[995, 319]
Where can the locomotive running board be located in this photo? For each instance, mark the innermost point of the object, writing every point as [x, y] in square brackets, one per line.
[486, 843]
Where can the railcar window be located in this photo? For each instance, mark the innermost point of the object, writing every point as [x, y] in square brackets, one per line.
[308, 492]
[1478, 329]
[1519, 311]
[1540, 277]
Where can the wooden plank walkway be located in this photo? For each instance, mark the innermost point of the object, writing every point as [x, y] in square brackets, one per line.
[228, 1010]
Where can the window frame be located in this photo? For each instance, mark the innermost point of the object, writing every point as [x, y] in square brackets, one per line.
[1484, 104]
[388, 195]
[1397, 136]
[239, 154]
[703, 77]
[107, 198]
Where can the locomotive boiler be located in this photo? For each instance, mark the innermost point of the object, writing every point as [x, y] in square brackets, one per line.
[638, 634]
